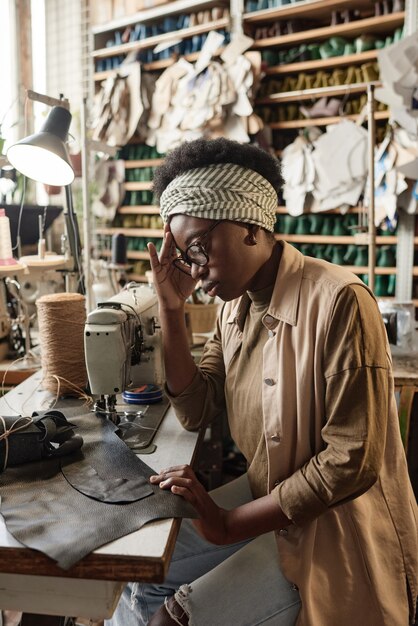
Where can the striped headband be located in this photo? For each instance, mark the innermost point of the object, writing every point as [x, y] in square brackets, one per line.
[224, 191]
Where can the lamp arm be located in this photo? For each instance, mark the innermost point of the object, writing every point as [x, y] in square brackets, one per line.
[73, 234]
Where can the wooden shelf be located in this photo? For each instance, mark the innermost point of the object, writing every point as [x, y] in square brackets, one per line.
[150, 42]
[138, 186]
[322, 121]
[154, 66]
[151, 209]
[342, 239]
[155, 13]
[381, 24]
[145, 209]
[135, 255]
[309, 8]
[355, 209]
[320, 64]
[356, 269]
[309, 94]
[134, 163]
[131, 232]
[378, 270]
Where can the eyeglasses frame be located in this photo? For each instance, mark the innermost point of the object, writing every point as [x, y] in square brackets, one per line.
[183, 261]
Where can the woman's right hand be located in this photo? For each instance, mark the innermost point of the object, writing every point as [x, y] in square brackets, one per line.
[173, 286]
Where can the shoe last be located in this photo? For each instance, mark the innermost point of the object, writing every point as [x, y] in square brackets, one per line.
[338, 255]
[328, 226]
[381, 285]
[303, 225]
[316, 223]
[314, 52]
[362, 256]
[307, 249]
[339, 228]
[391, 288]
[370, 72]
[350, 254]
[319, 251]
[338, 77]
[349, 48]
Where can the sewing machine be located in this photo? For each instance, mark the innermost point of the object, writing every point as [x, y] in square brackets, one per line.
[122, 343]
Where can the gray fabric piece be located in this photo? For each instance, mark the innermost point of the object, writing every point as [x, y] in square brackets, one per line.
[43, 511]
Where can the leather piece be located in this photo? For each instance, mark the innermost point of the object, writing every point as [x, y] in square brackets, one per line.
[49, 434]
[44, 512]
[105, 469]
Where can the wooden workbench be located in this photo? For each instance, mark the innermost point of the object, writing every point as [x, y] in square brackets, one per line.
[11, 374]
[33, 583]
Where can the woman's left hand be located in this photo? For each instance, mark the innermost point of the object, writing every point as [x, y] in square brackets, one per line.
[182, 481]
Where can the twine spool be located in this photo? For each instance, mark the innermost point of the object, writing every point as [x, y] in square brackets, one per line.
[61, 319]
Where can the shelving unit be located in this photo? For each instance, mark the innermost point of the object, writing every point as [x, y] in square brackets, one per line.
[321, 121]
[316, 15]
[103, 50]
[306, 9]
[150, 42]
[316, 29]
[155, 66]
[372, 25]
[308, 94]
[322, 64]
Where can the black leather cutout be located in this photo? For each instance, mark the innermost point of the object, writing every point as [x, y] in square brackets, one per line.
[43, 511]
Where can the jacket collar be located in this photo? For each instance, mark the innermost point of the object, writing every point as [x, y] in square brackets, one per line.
[285, 299]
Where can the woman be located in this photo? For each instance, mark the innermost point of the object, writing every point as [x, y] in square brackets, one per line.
[322, 528]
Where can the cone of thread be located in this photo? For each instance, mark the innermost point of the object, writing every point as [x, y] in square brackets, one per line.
[61, 320]
[6, 255]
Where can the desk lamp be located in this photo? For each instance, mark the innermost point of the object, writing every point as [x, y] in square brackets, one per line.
[43, 157]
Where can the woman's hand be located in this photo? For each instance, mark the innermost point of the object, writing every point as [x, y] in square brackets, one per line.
[182, 481]
[172, 285]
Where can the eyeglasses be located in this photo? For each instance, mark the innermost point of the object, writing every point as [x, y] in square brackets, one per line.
[195, 253]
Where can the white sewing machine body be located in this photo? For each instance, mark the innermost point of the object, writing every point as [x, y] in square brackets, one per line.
[122, 342]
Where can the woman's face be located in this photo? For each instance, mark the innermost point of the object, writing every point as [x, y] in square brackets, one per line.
[233, 261]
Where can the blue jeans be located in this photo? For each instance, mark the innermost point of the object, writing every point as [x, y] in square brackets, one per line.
[240, 584]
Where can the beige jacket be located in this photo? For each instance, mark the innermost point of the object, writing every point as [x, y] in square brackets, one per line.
[335, 457]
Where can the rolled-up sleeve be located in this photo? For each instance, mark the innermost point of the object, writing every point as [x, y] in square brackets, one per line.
[357, 405]
[204, 398]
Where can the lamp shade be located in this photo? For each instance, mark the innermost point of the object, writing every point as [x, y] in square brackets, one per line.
[43, 156]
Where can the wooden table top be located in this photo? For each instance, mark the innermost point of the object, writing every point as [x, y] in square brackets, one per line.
[405, 369]
[142, 555]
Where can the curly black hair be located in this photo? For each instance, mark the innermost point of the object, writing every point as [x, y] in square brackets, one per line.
[203, 152]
